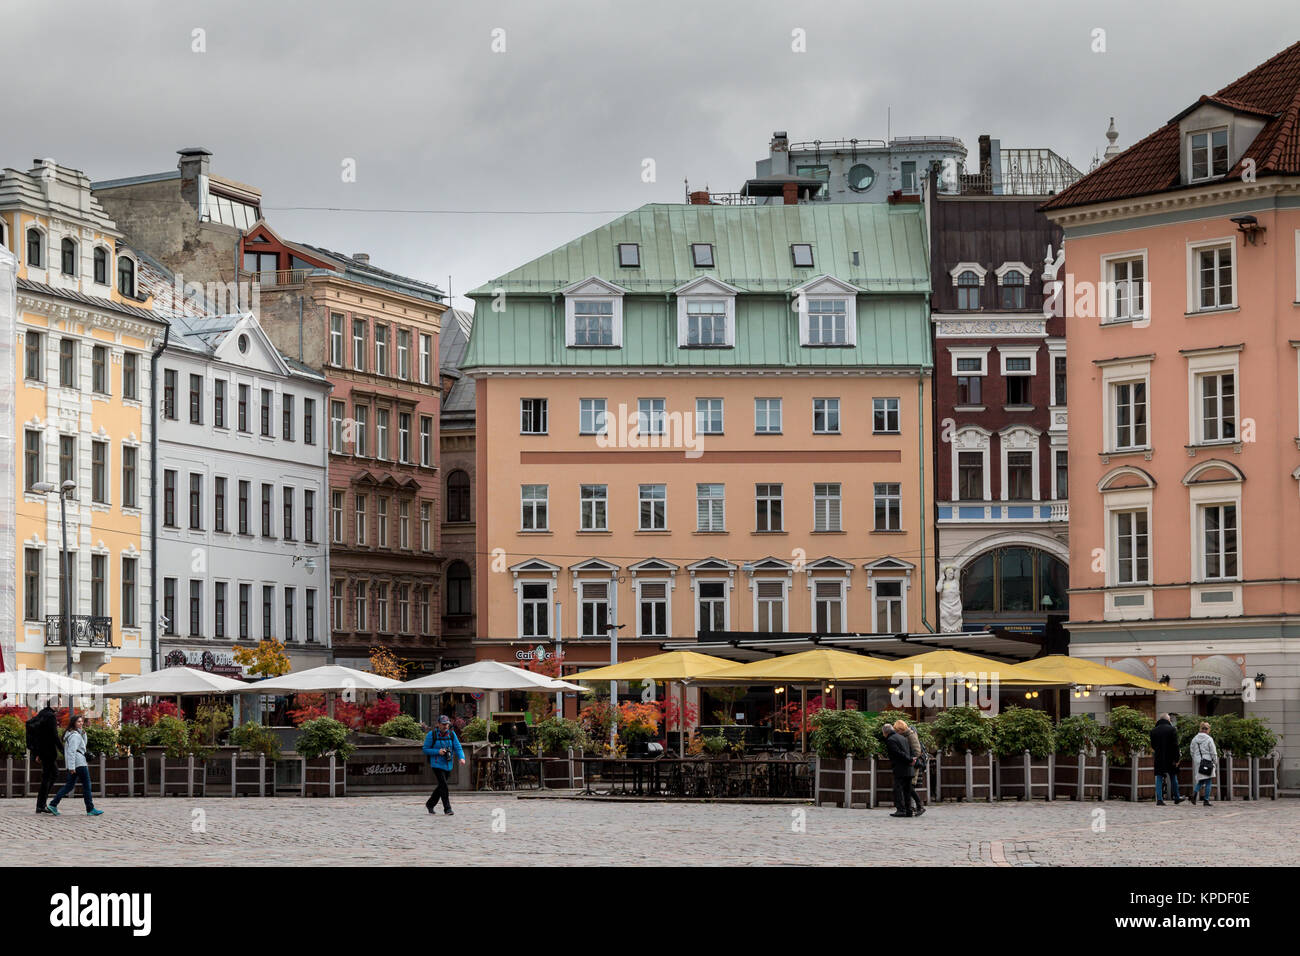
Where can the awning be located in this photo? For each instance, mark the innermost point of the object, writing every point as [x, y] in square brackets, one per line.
[1214, 675]
[1129, 665]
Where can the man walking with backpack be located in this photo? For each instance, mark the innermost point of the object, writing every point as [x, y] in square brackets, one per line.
[43, 742]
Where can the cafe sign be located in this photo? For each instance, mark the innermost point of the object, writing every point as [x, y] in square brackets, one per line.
[538, 653]
[213, 662]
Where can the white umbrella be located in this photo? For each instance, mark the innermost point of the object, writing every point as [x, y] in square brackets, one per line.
[329, 677]
[24, 683]
[174, 682]
[485, 676]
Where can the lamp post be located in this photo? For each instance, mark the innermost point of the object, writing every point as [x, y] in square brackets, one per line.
[613, 630]
[65, 489]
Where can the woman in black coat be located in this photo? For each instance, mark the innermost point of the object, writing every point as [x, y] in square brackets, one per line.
[1164, 748]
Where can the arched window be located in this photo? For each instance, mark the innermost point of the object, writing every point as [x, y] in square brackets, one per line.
[35, 249]
[1013, 290]
[458, 497]
[69, 257]
[968, 291]
[101, 265]
[458, 588]
[126, 277]
[1015, 580]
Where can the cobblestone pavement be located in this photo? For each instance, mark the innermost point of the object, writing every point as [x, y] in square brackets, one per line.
[499, 829]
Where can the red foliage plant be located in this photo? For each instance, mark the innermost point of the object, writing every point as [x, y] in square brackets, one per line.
[147, 716]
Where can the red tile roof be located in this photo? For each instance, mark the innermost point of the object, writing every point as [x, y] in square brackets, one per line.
[1271, 90]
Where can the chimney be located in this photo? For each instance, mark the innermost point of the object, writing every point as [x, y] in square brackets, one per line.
[986, 154]
[790, 194]
[779, 153]
[361, 257]
[193, 165]
[700, 197]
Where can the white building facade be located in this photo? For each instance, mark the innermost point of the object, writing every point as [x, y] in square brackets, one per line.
[241, 497]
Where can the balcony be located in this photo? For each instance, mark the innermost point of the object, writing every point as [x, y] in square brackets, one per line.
[275, 279]
[1046, 512]
[87, 631]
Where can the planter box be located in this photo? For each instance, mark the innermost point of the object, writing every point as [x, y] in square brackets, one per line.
[181, 777]
[1079, 777]
[1024, 777]
[1234, 778]
[119, 776]
[1133, 780]
[846, 783]
[250, 776]
[324, 777]
[1263, 777]
[963, 776]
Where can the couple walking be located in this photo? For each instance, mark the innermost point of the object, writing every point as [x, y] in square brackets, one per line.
[907, 759]
[1164, 750]
[43, 741]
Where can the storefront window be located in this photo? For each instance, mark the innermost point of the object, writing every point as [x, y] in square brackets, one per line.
[1015, 581]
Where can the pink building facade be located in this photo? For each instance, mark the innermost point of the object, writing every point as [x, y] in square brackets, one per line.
[1183, 317]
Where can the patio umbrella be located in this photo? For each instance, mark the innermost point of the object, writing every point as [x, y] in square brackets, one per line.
[956, 662]
[485, 677]
[174, 682]
[36, 683]
[674, 666]
[328, 677]
[1064, 670]
[820, 664]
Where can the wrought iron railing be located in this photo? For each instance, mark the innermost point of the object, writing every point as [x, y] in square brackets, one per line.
[86, 631]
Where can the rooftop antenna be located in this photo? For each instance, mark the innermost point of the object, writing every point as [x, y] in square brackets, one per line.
[889, 117]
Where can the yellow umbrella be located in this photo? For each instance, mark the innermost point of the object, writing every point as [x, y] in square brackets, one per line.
[1063, 669]
[821, 664]
[956, 662]
[674, 665]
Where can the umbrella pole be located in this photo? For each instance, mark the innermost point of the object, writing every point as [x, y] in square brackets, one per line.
[681, 719]
[803, 718]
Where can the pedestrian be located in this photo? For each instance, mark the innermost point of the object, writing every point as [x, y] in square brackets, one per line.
[442, 745]
[43, 742]
[900, 762]
[74, 758]
[918, 760]
[1164, 750]
[1205, 762]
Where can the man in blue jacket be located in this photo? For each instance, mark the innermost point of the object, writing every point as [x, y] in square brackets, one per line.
[441, 746]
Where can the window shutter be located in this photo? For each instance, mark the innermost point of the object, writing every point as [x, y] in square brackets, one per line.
[595, 590]
[653, 590]
[833, 516]
[828, 589]
[768, 590]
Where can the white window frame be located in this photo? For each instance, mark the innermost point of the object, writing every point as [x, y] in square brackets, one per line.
[784, 581]
[524, 502]
[1032, 438]
[876, 581]
[650, 415]
[1121, 374]
[593, 289]
[1018, 351]
[549, 604]
[726, 600]
[841, 582]
[667, 582]
[546, 416]
[769, 498]
[722, 507]
[828, 405]
[581, 585]
[1199, 497]
[968, 352]
[834, 493]
[898, 411]
[780, 415]
[1208, 132]
[599, 413]
[877, 496]
[1194, 250]
[827, 287]
[981, 443]
[600, 494]
[722, 421]
[706, 289]
[1106, 297]
[1121, 500]
[641, 497]
[1199, 366]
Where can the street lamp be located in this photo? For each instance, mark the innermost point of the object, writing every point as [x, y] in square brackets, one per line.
[613, 630]
[64, 490]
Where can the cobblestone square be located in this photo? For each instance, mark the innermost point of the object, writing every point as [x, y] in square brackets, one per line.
[499, 829]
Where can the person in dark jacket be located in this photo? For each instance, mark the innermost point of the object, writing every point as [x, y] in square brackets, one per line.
[1164, 748]
[441, 745]
[43, 742]
[900, 762]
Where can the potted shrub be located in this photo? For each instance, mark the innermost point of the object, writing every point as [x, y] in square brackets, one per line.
[13, 746]
[1017, 731]
[257, 750]
[181, 756]
[959, 731]
[1127, 740]
[403, 727]
[838, 735]
[325, 749]
[476, 730]
[1078, 760]
[638, 724]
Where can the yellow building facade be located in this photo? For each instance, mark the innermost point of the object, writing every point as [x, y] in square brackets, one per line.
[84, 338]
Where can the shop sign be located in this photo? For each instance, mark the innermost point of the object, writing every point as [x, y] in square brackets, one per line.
[213, 662]
[538, 653]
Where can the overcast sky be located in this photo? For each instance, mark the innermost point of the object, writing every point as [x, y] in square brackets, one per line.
[584, 92]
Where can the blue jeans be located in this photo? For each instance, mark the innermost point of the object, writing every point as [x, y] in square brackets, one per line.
[1205, 783]
[80, 775]
[1160, 786]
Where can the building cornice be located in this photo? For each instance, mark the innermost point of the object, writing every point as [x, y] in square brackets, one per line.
[94, 318]
[1201, 197]
[659, 371]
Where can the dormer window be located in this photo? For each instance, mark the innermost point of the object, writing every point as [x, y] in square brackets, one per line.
[593, 322]
[827, 322]
[1209, 154]
[702, 255]
[1013, 280]
[828, 313]
[968, 291]
[801, 254]
[126, 277]
[629, 255]
[593, 314]
[706, 322]
[706, 314]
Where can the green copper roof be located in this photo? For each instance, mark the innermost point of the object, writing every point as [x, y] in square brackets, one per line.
[876, 247]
